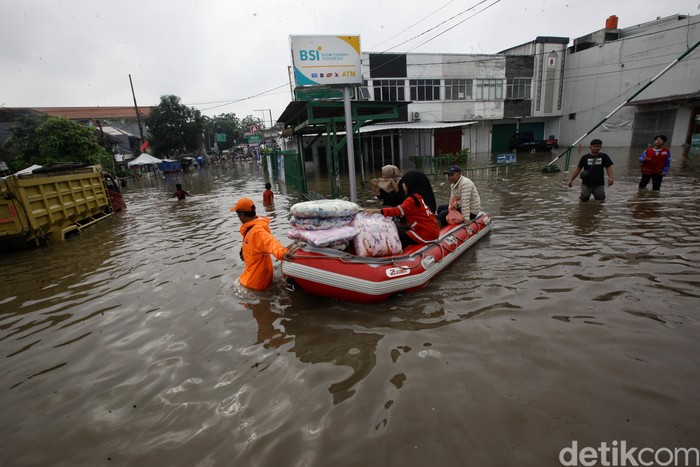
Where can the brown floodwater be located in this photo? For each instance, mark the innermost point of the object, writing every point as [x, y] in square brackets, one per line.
[132, 344]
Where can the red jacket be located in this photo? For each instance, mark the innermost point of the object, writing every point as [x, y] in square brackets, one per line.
[258, 245]
[421, 220]
[659, 162]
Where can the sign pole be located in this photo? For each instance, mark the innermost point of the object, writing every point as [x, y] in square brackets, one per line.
[350, 143]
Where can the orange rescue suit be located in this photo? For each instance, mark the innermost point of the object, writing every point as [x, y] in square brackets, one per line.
[258, 245]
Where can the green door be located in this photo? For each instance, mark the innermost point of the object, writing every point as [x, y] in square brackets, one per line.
[500, 135]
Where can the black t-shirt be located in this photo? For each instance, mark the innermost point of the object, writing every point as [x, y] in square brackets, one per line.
[596, 164]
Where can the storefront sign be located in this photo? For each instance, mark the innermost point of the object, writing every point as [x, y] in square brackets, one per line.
[326, 60]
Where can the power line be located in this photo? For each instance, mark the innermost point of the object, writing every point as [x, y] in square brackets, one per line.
[235, 101]
[414, 24]
[454, 26]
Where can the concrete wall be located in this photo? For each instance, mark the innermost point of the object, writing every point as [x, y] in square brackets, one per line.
[600, 78]
[452, 66]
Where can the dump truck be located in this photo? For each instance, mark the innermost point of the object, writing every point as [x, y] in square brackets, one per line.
[54, 201]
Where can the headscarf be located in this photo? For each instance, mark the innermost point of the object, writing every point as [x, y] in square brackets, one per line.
[417, 182]
[389, 173]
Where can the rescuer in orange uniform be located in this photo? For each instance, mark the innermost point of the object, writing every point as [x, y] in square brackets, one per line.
[258, 245]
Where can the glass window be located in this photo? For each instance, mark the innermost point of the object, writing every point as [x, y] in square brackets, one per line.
[489, 89]
[389, 90]
[425, 89]
[458, 89]
[519, 88]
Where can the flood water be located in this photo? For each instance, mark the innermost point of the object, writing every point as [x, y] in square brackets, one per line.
[132, 344]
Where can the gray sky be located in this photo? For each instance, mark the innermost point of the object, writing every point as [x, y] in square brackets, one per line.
[216, 55]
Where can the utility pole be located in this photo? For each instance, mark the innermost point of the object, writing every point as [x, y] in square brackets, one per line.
[263, 111]
[136, 108]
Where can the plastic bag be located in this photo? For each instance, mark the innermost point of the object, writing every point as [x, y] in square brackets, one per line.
[377, 235]
[323, 237]
[319, 223]
[453, 215]
[324, 208]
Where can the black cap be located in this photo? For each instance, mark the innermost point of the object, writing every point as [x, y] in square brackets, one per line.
[452, 169]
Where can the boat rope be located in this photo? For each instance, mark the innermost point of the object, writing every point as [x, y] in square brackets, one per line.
[420, 259]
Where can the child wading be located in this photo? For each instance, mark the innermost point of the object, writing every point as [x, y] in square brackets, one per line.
[180, 194]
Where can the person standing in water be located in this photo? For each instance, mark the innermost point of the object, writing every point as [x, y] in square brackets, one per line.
[592, 168]
[268, 195]
[258, 245]
[180, 194]
[655, 163]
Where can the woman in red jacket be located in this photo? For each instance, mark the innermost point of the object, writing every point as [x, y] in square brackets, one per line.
[655, 163]
[422, 225]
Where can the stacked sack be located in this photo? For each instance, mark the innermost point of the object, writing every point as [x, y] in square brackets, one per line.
[325, 223]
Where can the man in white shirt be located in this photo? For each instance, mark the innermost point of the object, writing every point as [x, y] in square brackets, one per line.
[464, 192]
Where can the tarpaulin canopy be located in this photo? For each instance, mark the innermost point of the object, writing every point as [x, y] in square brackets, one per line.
[144, 159]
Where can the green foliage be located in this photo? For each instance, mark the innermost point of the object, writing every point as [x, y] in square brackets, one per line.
[46, 140]
[106, 160]
[461, 158]
[174, 128]
[230, 125]
[417, 161]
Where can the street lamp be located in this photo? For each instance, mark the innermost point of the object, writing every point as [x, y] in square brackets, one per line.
[263, 111]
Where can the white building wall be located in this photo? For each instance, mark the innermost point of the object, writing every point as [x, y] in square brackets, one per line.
[600, 78]
[423, 66]
[546, 83]
[477, 138]
[451, 66]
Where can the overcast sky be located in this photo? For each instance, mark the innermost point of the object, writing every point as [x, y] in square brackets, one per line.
[223, 56]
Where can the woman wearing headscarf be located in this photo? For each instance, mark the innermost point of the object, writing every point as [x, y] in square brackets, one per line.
[388, 188]
[422, 226]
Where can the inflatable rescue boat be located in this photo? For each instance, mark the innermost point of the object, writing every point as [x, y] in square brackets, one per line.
[339, 274]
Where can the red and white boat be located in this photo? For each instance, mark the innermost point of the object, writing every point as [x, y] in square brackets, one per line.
[338, 274]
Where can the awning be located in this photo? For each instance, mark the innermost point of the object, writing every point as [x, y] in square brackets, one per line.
[413, 126]
[113, 131]
[678, 99]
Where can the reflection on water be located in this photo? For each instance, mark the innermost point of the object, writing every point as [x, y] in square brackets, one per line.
[133, 344]
[586, 217]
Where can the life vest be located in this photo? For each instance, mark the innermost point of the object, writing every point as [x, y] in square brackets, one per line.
[657, 163]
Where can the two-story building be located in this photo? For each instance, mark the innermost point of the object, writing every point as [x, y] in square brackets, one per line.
[476, 101]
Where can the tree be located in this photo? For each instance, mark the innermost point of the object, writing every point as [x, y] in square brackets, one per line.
[174, 128]
[230, 125]
[227, 124]
[45, 140]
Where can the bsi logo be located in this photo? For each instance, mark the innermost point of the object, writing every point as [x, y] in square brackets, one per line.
[309, 55]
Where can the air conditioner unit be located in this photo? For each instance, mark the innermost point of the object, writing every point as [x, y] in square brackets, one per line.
[415, 116]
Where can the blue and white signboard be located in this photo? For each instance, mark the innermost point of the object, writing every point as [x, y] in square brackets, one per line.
[326, 60]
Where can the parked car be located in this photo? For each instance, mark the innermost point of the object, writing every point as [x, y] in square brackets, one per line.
[525, 141]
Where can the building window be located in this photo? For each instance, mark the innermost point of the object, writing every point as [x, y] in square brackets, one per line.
[389, 90]
[489, 89]
[519, 88]
[458, 89]
[425, 89]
